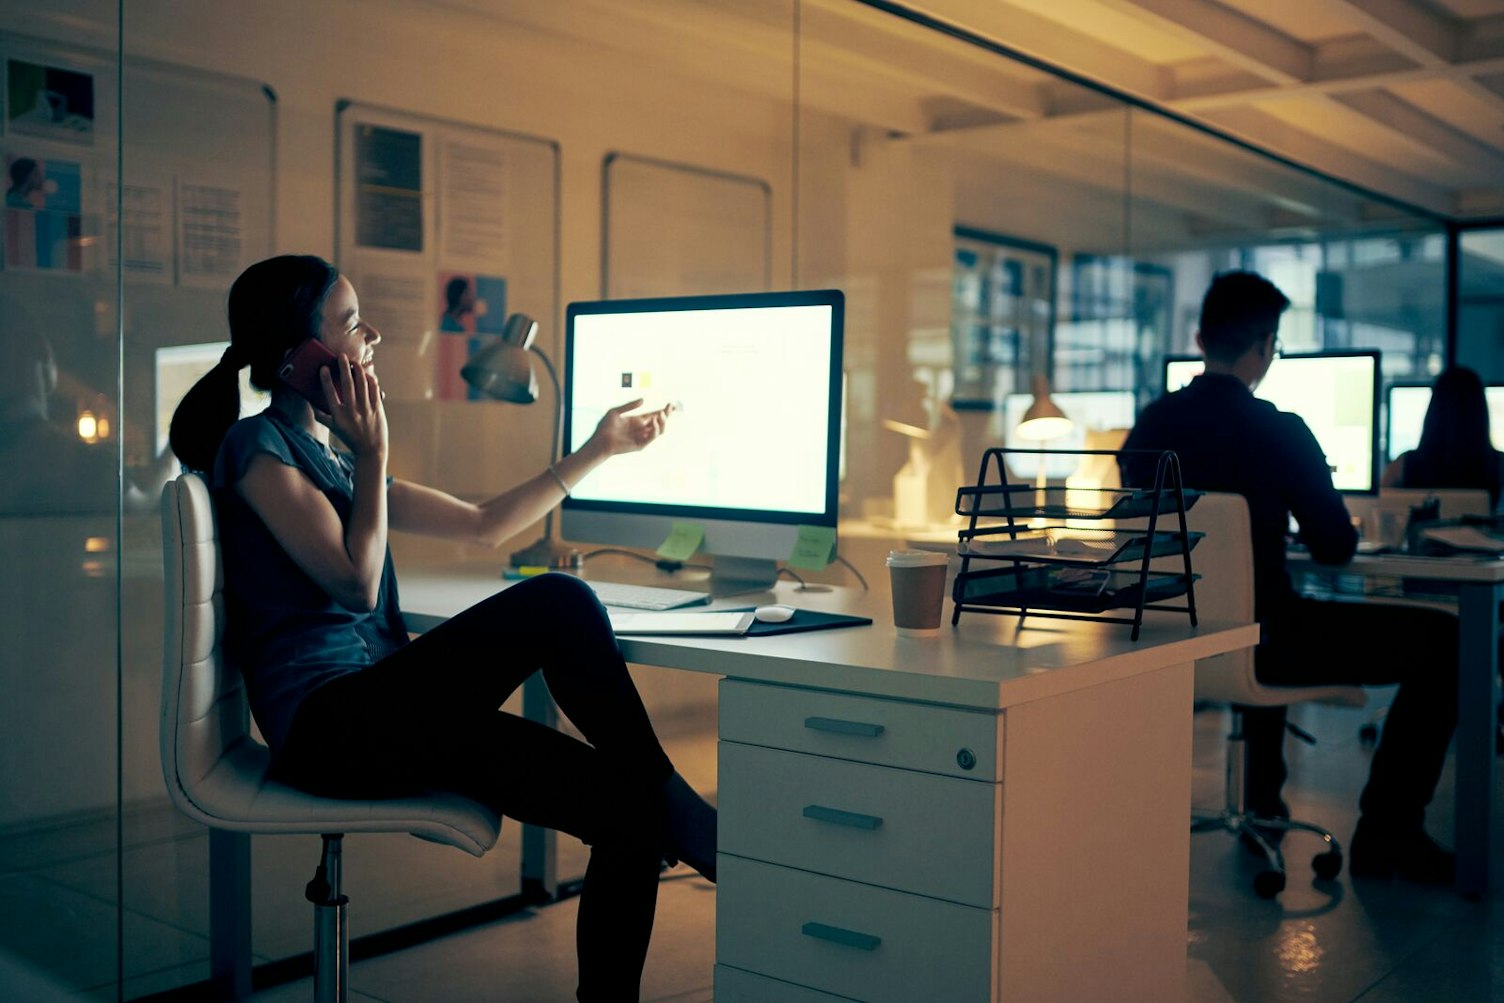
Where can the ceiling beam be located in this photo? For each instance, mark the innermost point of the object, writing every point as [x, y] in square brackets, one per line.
[1270, 133]
[1230, 35]
[1416, 32]
[1405, 119]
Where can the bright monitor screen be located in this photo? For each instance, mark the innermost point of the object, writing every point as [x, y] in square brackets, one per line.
[1088, 410]
[178, 367]
[1335, 393]
[1406, 412]
[750, 452]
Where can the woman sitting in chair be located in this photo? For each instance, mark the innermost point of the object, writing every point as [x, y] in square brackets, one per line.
[1455, 450]
[350, 707]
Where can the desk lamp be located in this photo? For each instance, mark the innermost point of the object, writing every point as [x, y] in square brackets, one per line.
[1042, 422]
[504, 370]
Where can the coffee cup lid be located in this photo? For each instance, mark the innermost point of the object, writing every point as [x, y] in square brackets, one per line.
[916, 558]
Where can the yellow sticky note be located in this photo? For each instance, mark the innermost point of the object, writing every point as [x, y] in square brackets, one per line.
[683, 540]
[814, 548]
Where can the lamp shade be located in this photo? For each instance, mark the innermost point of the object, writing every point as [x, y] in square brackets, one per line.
[504, 368]
[1043, 420]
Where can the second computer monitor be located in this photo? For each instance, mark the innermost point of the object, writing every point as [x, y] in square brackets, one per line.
[1335, 393]
[1406, 412]
[750, 453]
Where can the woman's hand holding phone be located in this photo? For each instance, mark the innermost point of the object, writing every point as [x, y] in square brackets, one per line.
[357, 415]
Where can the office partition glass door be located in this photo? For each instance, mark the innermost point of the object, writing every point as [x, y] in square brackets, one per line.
[61, 431]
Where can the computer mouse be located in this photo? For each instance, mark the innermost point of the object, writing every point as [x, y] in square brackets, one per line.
[772, 614]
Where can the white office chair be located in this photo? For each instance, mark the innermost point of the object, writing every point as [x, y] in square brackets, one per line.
[1224, 560]
[216, 770]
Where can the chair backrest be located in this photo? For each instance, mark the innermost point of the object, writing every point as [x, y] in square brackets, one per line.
[1454, 503]
[204, 710]
[1224, 561]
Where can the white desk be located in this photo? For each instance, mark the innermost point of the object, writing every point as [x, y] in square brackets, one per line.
[992, 813]
[1480, 587]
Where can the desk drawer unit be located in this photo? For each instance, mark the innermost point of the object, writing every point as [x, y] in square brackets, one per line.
[914, 832]
[943, 740]
[851, 939]
[732, 985]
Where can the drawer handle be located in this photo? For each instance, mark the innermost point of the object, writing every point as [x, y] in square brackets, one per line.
[840, 727]
[837, 935]
[820, 813]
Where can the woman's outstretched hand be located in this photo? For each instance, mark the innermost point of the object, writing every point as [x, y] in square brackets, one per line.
[357, 415]
[619, 432]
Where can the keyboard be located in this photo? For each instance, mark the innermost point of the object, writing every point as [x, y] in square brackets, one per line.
[652, 597]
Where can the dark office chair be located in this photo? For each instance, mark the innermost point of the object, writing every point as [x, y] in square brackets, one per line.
[216, 770]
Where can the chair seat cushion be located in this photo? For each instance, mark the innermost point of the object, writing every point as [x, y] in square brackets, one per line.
[237, 795]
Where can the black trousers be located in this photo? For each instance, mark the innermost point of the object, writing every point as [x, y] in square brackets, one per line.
[1315, 642]
[426, 718]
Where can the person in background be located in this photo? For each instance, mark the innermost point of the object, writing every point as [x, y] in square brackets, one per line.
[45, 468]
[348, 705]
[1455, 450]
[1228, 440]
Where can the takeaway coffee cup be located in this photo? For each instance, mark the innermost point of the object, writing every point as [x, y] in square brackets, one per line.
[918, 578]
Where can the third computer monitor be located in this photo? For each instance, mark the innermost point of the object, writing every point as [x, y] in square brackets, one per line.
[1406, 412]
[750, 452]
[1336, 393]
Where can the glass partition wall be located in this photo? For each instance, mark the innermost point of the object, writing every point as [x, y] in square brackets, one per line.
[996, 228]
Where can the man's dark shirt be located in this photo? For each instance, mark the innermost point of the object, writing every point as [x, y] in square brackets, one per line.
[1229, 440]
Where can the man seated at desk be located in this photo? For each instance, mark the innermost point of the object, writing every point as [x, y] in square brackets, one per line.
[1228, 440]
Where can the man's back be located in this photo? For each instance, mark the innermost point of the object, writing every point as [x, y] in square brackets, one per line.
[1228, 440]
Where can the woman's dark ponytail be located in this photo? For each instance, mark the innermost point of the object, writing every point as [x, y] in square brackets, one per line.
[204, 415]
[273, 305]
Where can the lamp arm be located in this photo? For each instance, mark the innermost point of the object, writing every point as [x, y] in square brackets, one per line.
[553, 442]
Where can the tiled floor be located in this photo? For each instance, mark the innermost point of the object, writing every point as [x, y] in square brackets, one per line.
[1370, 941]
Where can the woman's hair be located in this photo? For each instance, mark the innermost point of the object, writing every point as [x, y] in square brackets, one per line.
[1454, 450]
[274, 305]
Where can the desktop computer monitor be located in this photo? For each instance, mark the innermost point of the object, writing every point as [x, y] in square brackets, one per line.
[751, 453]
[178, 367]
[1405, 413]
[1088, 410]
[1336, 393]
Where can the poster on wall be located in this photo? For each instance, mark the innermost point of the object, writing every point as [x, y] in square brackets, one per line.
[43, 214]
[388, 188]
[472, 204]
[210, 234]
[49, 102]
[145, 240]
[398, 305]
[474, 310]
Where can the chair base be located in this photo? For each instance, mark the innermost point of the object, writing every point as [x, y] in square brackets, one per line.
[1271, 881]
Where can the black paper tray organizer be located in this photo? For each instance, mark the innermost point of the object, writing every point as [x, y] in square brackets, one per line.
[1074, 553]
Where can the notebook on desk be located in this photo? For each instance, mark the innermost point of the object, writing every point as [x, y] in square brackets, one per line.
[732, 622]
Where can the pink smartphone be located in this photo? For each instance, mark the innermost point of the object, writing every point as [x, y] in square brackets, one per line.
[300, 370]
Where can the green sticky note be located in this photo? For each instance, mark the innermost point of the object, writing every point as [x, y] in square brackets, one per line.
[683, 540]
[814, 548]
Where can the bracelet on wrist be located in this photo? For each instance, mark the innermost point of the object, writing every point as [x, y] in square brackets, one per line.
[563, 484]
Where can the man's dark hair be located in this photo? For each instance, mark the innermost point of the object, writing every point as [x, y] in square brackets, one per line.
[1239, 310]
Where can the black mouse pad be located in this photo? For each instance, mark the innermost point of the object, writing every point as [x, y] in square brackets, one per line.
[804, 619]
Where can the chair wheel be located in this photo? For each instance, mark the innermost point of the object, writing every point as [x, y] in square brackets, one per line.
[1368, 735]
[1327, 865]
[1268, 883]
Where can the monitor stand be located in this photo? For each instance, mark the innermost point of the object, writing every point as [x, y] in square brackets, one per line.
[731, 576]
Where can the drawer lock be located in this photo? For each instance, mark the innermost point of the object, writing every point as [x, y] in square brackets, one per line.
[966, 759]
